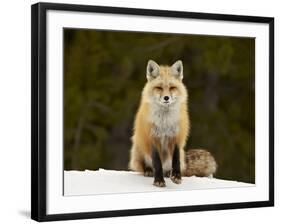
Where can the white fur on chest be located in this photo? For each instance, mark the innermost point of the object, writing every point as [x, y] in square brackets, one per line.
[165, 121]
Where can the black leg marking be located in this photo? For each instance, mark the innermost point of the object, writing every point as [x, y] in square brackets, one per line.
[176, 173]
[158, 171]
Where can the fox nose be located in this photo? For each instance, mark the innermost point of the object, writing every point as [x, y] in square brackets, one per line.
[166, 98]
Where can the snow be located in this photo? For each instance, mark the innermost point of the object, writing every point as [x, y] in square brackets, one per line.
[111, 181]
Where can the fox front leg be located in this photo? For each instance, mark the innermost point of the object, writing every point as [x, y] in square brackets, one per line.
[158, 170]
[176, 173]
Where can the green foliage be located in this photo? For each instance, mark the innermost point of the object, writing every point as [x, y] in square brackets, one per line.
[104, 72]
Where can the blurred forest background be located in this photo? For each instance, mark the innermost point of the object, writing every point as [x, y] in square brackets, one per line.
[104, 73]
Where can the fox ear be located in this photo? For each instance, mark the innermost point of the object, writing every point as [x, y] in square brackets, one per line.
[152, 70]
[177, 69]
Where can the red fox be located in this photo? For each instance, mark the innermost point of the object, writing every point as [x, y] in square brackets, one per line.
[162, 127]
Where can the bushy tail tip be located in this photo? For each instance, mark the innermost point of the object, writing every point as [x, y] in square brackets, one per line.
[200, 162]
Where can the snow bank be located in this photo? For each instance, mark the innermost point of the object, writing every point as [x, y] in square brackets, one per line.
[111, 181]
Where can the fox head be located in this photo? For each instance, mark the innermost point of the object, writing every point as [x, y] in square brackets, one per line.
[164, 84]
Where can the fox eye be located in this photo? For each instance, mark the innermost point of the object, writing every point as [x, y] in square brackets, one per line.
[159, 88]
[172, 88]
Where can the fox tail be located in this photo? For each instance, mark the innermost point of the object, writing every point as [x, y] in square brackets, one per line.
[200, 162]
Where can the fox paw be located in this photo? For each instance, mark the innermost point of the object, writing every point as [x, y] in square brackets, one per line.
[167, 173]
[148, 172]
[176, 178]
[159, 183]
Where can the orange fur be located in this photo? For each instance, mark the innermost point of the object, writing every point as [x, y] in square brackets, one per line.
[165, 83]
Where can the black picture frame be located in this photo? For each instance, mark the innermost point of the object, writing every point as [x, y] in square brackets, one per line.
[39, 107]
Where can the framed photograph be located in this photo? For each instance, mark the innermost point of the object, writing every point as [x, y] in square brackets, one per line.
[140, 111]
